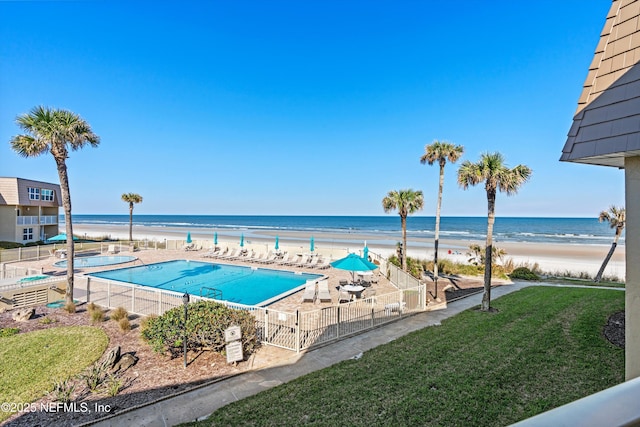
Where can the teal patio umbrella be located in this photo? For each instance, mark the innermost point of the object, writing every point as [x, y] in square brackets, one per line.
[62, 237]
[353, 263]
[242, 240]
[277, 246]
[215, 238]
[365, 251]
[312, 244]
[189, 237]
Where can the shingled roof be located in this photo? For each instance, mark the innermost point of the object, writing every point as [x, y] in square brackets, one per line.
[606, 125]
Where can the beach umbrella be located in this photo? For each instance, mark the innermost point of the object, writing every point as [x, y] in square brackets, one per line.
[62, 237]
[312, 244]
[365, 251]
[215, 238]
[242, 240]
[277, 246]
[189, 237]
[353, 263]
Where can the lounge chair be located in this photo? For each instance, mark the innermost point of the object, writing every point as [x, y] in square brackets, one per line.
[270, 258]
[313, 262]
[285, 260]
[257, 257]
[112, 249]
[323, 291]
[220, 253]
[309, 292]
[231, 255]
[323, 264]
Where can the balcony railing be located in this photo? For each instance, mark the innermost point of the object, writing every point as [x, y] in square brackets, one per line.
[27, 220]
[33, 220]
[48, 219]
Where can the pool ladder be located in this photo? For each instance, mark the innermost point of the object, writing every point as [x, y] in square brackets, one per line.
[212, 293]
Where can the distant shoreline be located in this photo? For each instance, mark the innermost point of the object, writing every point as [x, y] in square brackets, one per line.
[551, 257]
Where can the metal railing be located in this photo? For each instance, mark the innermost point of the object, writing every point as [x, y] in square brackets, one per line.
[27, 220]
[294, 331]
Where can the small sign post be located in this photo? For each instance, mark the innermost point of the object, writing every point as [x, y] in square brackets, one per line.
[233, 336]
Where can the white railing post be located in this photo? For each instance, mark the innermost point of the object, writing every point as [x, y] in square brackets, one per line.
[133, 299]
[88, 289]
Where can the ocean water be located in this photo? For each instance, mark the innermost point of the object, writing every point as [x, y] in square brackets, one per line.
[587, 231]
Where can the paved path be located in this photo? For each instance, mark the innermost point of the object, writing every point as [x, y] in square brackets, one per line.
[199, 403]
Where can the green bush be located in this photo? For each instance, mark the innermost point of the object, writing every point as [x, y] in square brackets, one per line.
[206, 323]
[523, 273]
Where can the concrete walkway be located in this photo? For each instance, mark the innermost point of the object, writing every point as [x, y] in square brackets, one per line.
[198, 403]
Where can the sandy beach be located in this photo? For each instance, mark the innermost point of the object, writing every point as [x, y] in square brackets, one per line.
[551, 258]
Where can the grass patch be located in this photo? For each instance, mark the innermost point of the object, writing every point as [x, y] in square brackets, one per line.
[31, 363]
[544, 348]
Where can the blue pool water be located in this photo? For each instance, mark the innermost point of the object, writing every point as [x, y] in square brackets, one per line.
[96, 261]
[239, 284]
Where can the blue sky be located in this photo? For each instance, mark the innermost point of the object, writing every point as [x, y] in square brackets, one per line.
[304, 108]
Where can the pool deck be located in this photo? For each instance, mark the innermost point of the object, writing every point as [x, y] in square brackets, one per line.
[150, 256]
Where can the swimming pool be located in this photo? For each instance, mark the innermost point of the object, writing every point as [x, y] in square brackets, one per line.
[96, 261]
[240, 284]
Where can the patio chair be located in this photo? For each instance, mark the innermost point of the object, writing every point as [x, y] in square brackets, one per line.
[323, 291]
[111, 249]
[343, 296]
[309, 292]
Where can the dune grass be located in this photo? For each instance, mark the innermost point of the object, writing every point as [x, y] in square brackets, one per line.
[544, 348]
[31, 363]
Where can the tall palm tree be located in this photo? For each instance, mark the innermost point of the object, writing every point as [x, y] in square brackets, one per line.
[440, 151]
[55, 131]
[131, 198]
[616, 217]
[496, 176]
[406, 202]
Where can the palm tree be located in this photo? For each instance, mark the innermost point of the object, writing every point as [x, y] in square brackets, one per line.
[440, 151]
[56, 131]
[406, 202]
[616, 217]
[491, 170]
[131, 198]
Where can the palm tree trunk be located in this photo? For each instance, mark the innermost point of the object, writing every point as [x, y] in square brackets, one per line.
[608, 257]
[437, 232]
[66, 203]
[130, 221]
[486, 296]
[403, 220]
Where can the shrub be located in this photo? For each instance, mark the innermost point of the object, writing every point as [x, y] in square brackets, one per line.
[96, 316]
[47, 320]
[7, 332]
[146, 321]
[92, 307]
[63, 391]
[94, 376]
[206, 323]
[119, 313]
[523, 273]
[124, 324]
[70, 307]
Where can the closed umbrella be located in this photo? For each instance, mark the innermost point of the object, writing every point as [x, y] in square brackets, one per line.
[242, 240]
[312, 244]
[277, 246]
[189, 237]
[365, 251]
[215, 238]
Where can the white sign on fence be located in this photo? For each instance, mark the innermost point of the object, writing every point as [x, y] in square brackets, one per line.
[234, 351]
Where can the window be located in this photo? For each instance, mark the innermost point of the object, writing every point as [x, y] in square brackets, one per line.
[47, 195]
[34, 193]
[27, 234]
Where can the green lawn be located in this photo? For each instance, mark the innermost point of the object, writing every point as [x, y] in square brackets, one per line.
[544, 348]
[30, 363]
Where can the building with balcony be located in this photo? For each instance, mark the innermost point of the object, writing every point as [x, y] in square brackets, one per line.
[28, 210]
